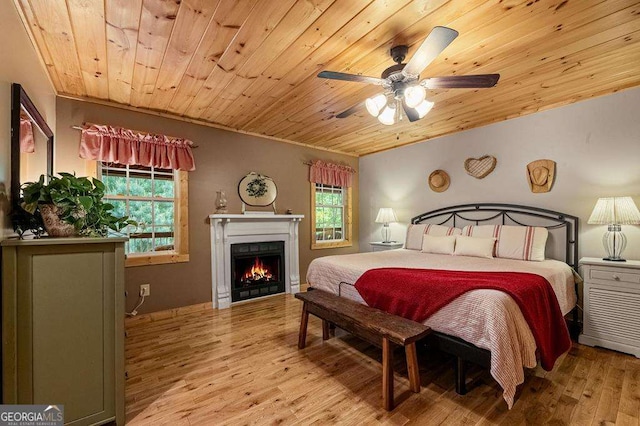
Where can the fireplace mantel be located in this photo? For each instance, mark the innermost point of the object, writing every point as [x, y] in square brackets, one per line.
[228, 229]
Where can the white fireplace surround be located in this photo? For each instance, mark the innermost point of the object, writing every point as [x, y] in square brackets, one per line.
[228, 229]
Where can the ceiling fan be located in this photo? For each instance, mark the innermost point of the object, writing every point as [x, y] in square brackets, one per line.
[403, 90]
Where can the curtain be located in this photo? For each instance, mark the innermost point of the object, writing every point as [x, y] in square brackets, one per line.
[27, 144]
[331, 174]
[124, 146]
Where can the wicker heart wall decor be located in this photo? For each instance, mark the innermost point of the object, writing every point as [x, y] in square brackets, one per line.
[480, 167]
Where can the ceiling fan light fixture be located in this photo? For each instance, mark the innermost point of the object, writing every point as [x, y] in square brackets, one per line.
[414, 96]
[376, 104]
[388, 115]
[423, 108]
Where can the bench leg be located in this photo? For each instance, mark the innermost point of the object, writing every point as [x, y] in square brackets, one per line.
[302, 336]
[325, 330]
[387, 374]
[413, 370]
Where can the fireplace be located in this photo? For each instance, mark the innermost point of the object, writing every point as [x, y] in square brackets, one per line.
[231, 230]
[257, 269]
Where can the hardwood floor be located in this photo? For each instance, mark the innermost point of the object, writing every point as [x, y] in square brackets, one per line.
[241, 365]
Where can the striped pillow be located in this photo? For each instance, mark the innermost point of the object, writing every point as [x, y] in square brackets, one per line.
[513, 242]
[415, 233]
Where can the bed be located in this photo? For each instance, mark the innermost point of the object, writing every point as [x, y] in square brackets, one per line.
[483, 326]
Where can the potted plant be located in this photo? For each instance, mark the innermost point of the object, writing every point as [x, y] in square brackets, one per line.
[71, 205]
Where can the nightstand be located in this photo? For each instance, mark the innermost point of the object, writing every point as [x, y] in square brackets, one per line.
[380, 246]
[611, 305]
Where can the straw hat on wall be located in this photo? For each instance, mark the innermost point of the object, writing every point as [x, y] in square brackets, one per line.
[439, 181]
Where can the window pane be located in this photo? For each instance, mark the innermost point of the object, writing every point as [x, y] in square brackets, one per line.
[164, 212]
[115, 185]
[163, 188]
[140, 245]
[158, 229]
[140, 187]
[119, 207]
[155, 216]
[164, 244]
[140, 211]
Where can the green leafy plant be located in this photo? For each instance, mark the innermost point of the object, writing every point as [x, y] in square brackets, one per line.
[79, 201]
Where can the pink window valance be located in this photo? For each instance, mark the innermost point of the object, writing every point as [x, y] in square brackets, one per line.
[125, 146]
[331, 174]
[27, 143]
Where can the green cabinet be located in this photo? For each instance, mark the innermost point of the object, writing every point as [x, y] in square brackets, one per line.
[63, 326]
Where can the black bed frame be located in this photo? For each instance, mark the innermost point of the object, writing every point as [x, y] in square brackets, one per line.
[506, 214]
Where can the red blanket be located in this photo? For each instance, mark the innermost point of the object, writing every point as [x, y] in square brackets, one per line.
[419, 293]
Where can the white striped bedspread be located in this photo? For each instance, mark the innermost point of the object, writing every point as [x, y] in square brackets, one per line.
[489, 319]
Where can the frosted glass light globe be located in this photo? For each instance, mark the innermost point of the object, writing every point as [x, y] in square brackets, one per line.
[388, 115]
[423, 108]
[414, 95]
[375, 104]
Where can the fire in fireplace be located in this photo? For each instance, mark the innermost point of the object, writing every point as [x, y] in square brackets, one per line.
[258, 272]
[258, 269]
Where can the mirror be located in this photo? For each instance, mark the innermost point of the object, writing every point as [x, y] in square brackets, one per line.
[31, 143]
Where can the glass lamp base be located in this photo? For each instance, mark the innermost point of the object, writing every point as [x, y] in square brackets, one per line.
[614, 242]
[386, 233]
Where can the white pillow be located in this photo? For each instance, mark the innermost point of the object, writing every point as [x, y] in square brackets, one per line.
[474, 246]
[438, 245]
[415, 233]
[513, 242]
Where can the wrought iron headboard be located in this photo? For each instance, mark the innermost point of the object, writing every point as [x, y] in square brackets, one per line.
[507, 214]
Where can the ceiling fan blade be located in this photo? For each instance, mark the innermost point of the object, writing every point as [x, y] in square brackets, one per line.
[437, 40]
[412, 114]
[349, 111]
[351, 77]
[461, 81]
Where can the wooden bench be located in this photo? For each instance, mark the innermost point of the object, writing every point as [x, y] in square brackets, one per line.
[378, 327]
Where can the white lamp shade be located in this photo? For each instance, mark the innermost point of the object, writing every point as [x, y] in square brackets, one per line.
[423, 108]
[615, 211]
[386, 215]
[374, 105]
[388, 115]
[414, 95]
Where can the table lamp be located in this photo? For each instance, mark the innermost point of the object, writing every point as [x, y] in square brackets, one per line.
[614, 212]
[386, 215]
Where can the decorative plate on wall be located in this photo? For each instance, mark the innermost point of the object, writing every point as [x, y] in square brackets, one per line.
[257, 190]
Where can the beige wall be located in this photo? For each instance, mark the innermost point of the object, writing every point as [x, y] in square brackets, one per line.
[222, 159]
[19, 64]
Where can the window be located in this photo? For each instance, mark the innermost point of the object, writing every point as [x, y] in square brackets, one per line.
[155, 198]
[331, 216]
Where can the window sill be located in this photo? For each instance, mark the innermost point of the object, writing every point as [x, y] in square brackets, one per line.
[133, 260]
[320, 246]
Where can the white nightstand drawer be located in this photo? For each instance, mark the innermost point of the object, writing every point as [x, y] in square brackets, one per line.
[609, 275]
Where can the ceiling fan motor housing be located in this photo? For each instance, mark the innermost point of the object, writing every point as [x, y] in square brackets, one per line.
[398, 53]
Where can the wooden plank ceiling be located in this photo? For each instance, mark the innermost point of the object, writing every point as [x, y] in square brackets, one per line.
[251, 65]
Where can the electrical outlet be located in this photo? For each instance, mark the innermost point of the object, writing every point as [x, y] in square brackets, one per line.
[145, 290]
